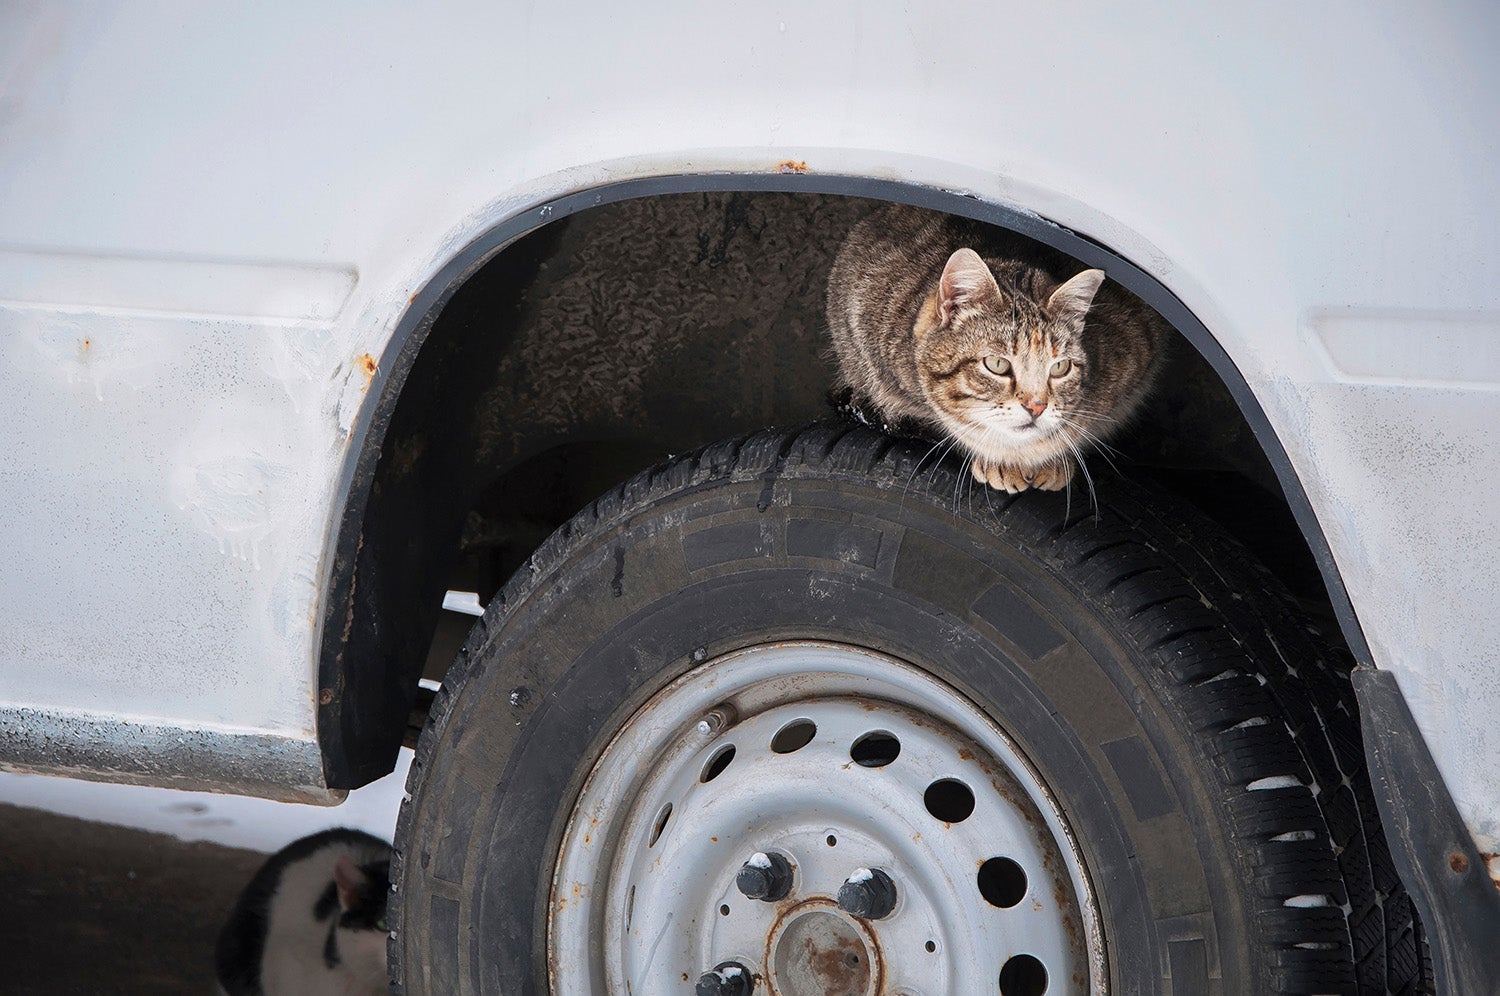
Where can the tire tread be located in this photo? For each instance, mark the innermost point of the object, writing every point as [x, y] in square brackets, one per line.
[1228, 646]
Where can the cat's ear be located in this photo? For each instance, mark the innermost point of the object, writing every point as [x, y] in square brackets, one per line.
[966, 282]
[1073, 298]
[351, 880]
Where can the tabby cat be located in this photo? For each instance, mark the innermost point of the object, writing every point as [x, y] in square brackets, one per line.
[988, 339]
[311, 921]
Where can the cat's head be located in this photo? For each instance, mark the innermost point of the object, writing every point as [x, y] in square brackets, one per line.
[1006, 368]
[362, 895]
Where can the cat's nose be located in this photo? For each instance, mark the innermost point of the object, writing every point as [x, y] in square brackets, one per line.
[1034, 405]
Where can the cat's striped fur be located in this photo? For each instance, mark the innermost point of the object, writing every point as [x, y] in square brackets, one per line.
[990, 339]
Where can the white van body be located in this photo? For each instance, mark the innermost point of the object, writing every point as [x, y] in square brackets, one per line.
[214, 217]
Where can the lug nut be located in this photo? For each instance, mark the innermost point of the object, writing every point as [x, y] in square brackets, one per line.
[868, 894]
[767, 877]
[715, 721]
[728, 978]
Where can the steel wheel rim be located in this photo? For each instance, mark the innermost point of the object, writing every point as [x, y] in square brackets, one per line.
[710, 773]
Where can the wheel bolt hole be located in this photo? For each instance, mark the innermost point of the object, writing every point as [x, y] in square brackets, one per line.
[875, 750]
[949, 799]
[1023, 975]
[660, 824]
[794, 736]
[717, 763]
[931, 946]
[724, 910]
[832, 841]
[1002, 882]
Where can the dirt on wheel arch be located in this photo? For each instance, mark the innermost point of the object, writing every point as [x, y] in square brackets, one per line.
[91, 908]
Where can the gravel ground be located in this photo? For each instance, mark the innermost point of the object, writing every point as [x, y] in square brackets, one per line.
[99, 909]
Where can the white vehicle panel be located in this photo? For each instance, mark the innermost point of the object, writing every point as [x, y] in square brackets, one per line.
[212, 221]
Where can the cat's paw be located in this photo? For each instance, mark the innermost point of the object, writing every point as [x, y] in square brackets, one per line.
[1053, 476]
[1013, 479]
[1001, 477]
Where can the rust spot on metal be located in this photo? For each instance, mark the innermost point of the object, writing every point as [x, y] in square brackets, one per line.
[713, 840]
[325, 696]
[1021, 803]
[792, 166]
[367, 366]
[1458, 863]
[964, 754]
[853, 967]
[838, 969]
[1062, 895]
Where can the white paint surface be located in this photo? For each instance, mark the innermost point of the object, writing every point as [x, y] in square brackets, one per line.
[1316, 182]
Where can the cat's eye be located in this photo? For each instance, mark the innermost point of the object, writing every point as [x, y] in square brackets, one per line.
[1061, 367]
[997, 365]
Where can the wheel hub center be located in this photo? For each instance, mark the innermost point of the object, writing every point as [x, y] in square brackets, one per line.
[820, 952]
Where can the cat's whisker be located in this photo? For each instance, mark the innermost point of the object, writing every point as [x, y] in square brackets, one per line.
[1068, 499]
[1103, 413]
[1094, 418]
[948, 442]
[1091, 438]
[1102, 448]
[966, 433]
[1105, 450]
[946, 439]
[1096, 423]
[1087, 477]
[918, 466]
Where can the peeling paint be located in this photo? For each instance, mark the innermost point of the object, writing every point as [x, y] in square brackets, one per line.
[231, 497]
[1491, 866]
[351, 396]
[70, 346]
[302, 360]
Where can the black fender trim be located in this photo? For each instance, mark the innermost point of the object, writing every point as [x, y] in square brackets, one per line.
[355, 753]
[1434, 853]
[361, 714]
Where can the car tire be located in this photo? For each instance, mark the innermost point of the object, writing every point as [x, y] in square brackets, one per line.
[1138, 687]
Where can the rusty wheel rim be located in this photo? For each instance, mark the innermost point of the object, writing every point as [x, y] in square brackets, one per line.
[847, 767]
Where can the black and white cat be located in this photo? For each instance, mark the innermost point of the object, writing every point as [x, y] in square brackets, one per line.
[311, 922]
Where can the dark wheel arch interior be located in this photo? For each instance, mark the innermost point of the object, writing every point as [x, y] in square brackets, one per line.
[405, 498]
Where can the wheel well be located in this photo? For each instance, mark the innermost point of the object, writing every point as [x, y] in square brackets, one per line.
[595, 336]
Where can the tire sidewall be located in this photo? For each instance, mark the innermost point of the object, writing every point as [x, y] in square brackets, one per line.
[575, 649]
